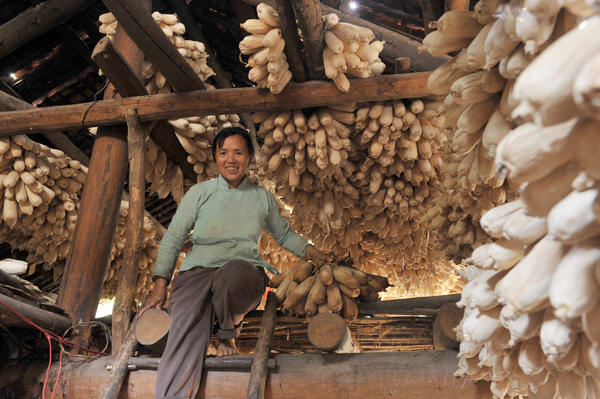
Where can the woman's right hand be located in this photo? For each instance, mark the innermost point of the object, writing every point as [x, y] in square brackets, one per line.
[157, 296]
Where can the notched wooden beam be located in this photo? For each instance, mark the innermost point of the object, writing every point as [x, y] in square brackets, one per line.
[120, 74]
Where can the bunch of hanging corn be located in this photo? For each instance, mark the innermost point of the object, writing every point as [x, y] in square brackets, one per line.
[532, 300]
[309, 289]
[41, 188]
[350, 49]
[267, 62]
[148, 251]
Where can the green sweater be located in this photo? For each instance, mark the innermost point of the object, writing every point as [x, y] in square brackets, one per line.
[227, 224]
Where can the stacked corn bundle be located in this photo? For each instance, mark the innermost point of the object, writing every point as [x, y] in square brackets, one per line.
[531, 323]
[41, 188]
[349, 49]
[268, 65]
[148, 250]
[328, 287]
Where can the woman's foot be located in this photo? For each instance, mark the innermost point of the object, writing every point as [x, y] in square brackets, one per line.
[227, 348]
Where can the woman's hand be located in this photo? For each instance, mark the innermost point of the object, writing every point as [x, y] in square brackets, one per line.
[157, 297]
[313, 254]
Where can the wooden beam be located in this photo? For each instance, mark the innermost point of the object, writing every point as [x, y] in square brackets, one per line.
[36, 21]
[57, 139]
[207, 102]
[328, 332]
[119, 73]
[406, 375]
[293, 48]
[238, 362]
[396, 44]
[310, 22]
[97, 218]
[400, 306]
[43, 318]
[156, 46]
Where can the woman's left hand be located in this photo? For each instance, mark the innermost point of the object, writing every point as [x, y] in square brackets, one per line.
[313, 254]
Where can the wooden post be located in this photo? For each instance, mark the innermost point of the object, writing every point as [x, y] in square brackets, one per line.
[310, 22]
[97, 220]
[126, 285]
[293, 49]
[258, 372]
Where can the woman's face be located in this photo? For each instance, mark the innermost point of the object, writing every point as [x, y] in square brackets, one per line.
[233, 159]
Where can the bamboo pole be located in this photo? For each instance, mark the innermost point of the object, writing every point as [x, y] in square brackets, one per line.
[135, 221]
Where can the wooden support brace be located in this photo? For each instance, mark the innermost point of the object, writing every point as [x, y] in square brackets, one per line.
[126, 285]
[207, 102]
[117, 70]
[402, 306]
[293, 49]
[310, 22]
[258, 372]
[112, 388]
[156, 46]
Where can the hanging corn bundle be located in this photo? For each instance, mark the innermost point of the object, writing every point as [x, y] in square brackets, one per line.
[308, 289]
[147, 257]
[350, 49]
[265, 45]
[40, 196]
[532, 297]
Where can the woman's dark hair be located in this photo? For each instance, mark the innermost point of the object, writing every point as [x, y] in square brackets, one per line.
[232, 131]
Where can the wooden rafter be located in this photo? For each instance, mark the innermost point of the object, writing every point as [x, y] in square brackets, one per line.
[293, 49]
[202, 102]
[36, 21]
[155, 45]
[310, 22]
[128, 85]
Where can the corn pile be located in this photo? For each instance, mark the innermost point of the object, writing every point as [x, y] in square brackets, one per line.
[349, 49]
[41, 188]
[308, 289]
[267, 62]
[148, 250]
[361, 179]
[531, 301]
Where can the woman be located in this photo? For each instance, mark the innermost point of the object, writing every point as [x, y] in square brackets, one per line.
[222, 277]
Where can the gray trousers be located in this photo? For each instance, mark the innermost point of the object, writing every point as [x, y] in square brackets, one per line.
[199, 296]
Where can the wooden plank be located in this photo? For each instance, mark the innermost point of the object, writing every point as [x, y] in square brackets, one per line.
[119, 73]
[207, 102]
[128, 274]
[43, 318]
[396, 44]
[293, 48]
[406, 375]
[57, 139]
[310, 22]
[36, 21]
[139, 25]
[400, 306]
[97, 218]
[258, 372]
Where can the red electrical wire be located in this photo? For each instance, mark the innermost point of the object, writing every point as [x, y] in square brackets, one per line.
[49, 336]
